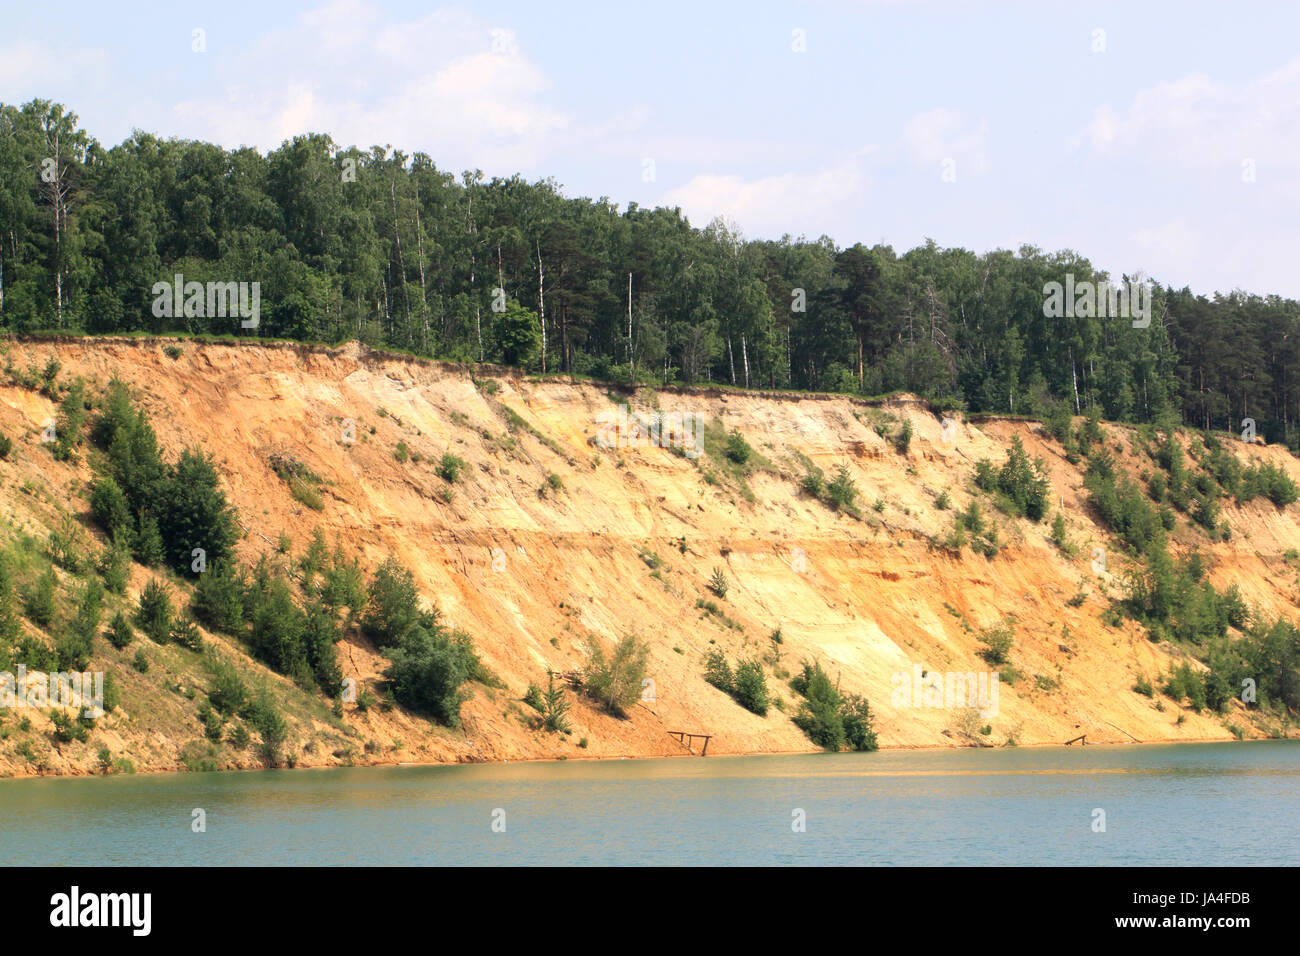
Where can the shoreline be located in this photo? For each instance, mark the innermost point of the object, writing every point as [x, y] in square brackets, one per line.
[623, 757]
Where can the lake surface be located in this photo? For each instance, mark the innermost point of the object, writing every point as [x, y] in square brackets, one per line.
[1191, 804]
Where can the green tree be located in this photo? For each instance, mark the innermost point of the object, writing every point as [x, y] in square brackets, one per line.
[555, 708]
[10, 625]
[427, 673]
[393, 604]
[120, 632]
[154, 615]
[751, 687]
[39, 603]
[615, 681]
[193, 513]
[518, 336]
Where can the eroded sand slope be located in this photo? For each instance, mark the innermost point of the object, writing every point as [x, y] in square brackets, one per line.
[869, 597]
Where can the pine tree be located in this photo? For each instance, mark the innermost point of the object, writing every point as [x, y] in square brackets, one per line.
[555, 708]
[718, 583]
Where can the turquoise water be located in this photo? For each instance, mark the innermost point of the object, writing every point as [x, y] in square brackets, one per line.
[1192, 804]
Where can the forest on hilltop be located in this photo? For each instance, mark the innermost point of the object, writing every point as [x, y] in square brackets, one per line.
[386, 248]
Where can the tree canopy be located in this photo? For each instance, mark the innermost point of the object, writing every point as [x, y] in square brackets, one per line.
[385, 247]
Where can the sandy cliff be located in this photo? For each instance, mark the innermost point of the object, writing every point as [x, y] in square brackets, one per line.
[537, 572]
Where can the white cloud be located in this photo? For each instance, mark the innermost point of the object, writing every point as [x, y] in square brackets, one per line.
[771, 206]
[448, 83]
[932, 137]
[26, 66]
[1194, 122]
[1173, 241]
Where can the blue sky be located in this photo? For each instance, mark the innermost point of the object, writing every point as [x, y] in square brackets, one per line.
[1175, 150]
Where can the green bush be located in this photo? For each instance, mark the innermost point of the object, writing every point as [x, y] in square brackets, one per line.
[186, 633]
[193, 513]
[616, 680]
[718, 672]
[843, 491]
[262, 714]
[343, 583]
[71, 421]
[68, 546]
[1058, 532]
[819, 714]
[68, 729]
[533, 697]
[115, 567]
[90, 609]
[213, 722]
[1021, 481]
[218, 598]
[277, 636]
[154, 615]
[738, 449]
[1125, 510]
[718, 583]
[450, 467]
[73, 651]
[238, 737]
[306, 494]
[227, 692]
[320, 635]
[1270, 481]
[147, 543]
[39, 600]
[427, 672]
[555, 708]
[10, 625]
[120, 633]
[859, 724]
[750, 687]
[393, 605]
[1183, 683]
[111, 510]
[112, 693]
[903, 440]
[998, 640]
[141, 661]
[1057, 421]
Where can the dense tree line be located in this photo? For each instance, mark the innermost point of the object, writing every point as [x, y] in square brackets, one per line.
[386, 247]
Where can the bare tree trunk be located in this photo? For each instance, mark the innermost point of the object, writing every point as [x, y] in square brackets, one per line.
[501, 278]
[564, 337]
[744, 355]
[424, 292]
[401, 264]
[857, 328]
[1075, 381]
[541, 303]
